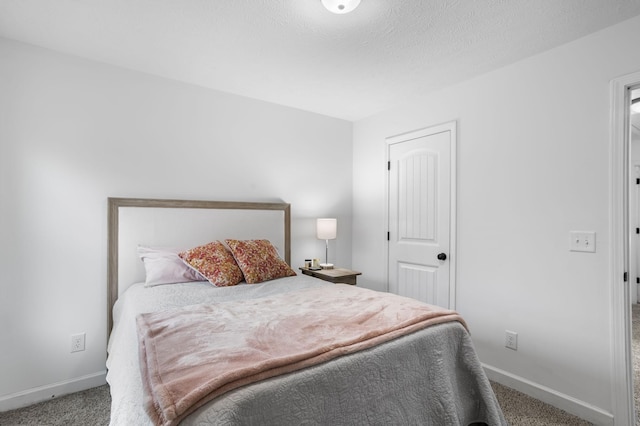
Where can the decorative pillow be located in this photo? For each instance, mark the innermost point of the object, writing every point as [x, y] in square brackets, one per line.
[214, 262]
[259, 260]
[163, 266]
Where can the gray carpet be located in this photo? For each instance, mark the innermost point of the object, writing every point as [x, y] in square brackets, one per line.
[91, 407]
[522, 410]
[635, 344]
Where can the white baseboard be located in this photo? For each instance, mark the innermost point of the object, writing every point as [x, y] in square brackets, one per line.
[564, 402]
[44, 393]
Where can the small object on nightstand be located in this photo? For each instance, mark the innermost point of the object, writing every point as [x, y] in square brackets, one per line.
[336, 275]
[311, 264]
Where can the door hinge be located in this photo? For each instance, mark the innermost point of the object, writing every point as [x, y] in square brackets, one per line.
[388, 165]
[388, 235]
[637, 181]
[626, 277]
[637, 230]
[637, 280]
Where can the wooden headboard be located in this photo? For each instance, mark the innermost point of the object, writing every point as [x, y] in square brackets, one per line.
[183, 224]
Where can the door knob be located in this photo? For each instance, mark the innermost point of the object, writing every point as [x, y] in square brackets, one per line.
[442, 256]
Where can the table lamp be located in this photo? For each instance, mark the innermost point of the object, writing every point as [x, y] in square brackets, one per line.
[327, 229]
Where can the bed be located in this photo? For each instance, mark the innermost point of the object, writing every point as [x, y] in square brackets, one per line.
[422, 375]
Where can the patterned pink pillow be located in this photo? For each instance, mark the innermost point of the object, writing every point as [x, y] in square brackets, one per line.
[259, 260]
[214, 262]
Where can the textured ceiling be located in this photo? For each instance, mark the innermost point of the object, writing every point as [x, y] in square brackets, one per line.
[296, 53]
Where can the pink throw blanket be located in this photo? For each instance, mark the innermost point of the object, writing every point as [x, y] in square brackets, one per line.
[191, 355]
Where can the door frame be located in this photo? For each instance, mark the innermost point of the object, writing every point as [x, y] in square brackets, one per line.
[452, 256]
[621, 356]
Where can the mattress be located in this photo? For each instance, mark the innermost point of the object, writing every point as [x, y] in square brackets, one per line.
[431, 376]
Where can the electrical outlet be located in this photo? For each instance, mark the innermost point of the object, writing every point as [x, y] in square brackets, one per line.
[77, 342]
[511, 340]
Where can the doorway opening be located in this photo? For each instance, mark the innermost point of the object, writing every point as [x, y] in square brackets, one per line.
[634, 238]
[622, 268]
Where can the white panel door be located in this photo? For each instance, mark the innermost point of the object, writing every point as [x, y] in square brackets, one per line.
[420, 183]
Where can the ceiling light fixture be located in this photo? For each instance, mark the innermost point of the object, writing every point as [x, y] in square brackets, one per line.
[340, 6]
[635, 105]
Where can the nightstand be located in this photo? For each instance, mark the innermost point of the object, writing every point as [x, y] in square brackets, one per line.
[336, 275]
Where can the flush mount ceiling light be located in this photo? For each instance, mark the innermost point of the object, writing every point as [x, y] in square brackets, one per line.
[340, 6]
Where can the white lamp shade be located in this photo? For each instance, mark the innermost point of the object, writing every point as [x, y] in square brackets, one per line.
[340, 6]
[327, 229]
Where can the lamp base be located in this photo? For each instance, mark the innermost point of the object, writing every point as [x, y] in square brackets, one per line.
[326, 265]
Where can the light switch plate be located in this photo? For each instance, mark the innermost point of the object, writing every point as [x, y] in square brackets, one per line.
[582, 241]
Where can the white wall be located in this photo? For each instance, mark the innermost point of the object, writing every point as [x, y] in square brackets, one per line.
[74, 132]
[533, 146]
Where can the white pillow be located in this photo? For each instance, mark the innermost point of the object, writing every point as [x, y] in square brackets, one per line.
[164, 266]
